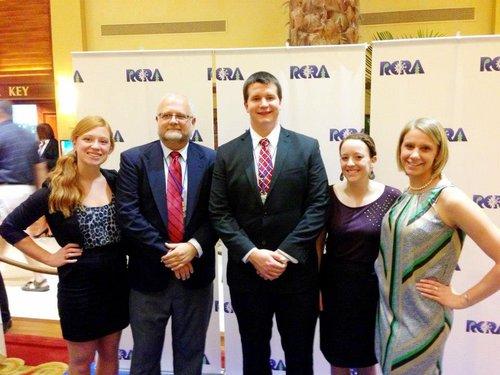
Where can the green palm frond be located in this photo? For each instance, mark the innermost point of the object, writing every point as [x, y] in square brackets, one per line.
[383, 35]
[428, 34]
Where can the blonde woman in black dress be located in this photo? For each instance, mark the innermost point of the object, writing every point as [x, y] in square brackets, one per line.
[79, 206]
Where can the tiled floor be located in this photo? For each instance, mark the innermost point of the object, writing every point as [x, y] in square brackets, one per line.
[39, 305]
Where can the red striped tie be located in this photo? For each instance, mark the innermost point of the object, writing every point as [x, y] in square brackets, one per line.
[175, 212]
[265, 166]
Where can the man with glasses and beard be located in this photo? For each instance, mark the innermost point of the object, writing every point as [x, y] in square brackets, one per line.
[162, 199]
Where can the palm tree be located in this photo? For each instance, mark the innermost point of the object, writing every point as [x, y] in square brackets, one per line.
[314, 22]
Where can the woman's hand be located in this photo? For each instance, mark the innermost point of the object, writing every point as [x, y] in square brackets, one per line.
[441, 293]
[64, 255]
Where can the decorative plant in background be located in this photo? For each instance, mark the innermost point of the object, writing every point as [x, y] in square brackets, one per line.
[316, 22]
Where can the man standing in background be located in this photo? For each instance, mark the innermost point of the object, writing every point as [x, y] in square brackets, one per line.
[20, 173]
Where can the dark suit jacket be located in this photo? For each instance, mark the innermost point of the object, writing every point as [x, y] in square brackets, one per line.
[142, 212]
[290, 220]
[51, 154]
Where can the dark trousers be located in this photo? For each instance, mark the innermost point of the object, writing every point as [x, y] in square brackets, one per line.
[149, 314]
[296, 315]
[4, 302]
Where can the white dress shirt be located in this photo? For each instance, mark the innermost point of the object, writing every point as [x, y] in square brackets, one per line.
[42, 145]
[273, 138]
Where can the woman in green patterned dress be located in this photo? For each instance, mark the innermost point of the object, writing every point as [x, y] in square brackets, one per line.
[421, 240]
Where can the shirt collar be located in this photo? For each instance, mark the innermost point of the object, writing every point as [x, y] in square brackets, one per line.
[273, 137]
[167, 151]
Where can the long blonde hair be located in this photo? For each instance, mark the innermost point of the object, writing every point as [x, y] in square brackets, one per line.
[66, 193]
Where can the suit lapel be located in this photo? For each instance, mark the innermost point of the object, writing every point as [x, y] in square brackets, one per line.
[195, 173]
[249, 162]
[281, 154]
[156, 176]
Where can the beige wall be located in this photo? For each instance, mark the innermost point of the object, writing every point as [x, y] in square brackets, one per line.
[249, 23]
[67, 36]
[497, 17]
[483, 22]
[76, 26]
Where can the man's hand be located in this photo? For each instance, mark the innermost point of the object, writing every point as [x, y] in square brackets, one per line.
[268, 264]
[184, 272]
[179, 255]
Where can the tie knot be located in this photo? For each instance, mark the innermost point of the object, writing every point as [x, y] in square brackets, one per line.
[264, 142]
[175, 155]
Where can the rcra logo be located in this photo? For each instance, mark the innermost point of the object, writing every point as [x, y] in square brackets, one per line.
[225, 74]
[277, 365]
[143, 75]
[482, 327]
[455, 135]
[487, 201]
[228, 309]
[337, 135]
[126, 355]
[489, 64]
[308, 72]
[400, 67]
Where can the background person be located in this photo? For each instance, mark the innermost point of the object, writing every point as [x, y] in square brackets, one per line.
[79, 205]
[48, 151]
[348, 281]
[20, 172]
[48, 147]
[421, 240]
[163, 191]
[268, 203]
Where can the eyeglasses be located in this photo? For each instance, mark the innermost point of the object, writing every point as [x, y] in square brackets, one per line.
[171, 116]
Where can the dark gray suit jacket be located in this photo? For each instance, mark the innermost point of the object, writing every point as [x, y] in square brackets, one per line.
[290, 220]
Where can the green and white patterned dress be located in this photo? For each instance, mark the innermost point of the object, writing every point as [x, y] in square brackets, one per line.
[415, 244]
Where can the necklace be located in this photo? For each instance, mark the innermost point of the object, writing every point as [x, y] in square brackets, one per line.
[423, 186]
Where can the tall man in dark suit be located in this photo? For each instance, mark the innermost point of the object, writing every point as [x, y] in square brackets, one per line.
[163, 191]
[268, 204]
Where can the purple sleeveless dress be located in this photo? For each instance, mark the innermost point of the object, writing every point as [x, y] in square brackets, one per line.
[348, 282]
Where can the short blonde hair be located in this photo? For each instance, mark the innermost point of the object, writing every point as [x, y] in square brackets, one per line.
[434, 130]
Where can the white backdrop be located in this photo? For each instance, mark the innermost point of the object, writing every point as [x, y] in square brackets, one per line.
[457, 81]
[323, 92]
[323, 89]
[125, 88]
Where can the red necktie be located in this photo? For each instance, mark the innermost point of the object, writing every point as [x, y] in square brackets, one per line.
[265, 166]
[175, 212]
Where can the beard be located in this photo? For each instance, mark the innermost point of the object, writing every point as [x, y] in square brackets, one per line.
[173, 135]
